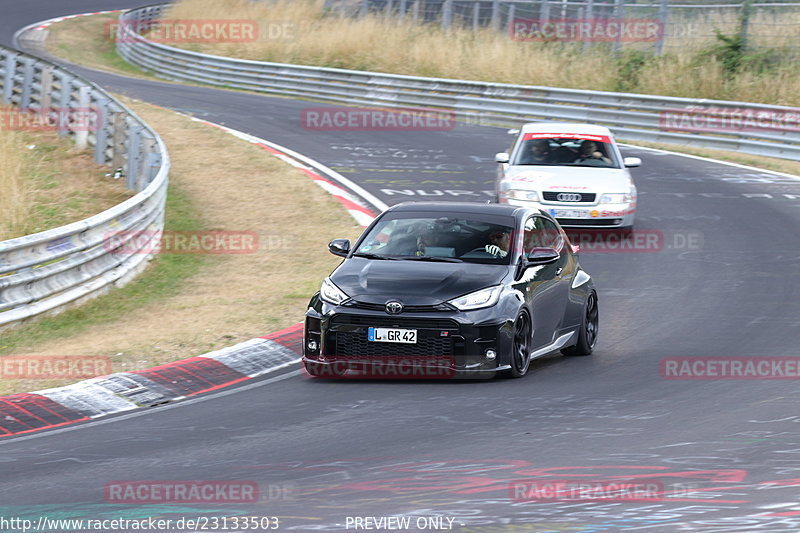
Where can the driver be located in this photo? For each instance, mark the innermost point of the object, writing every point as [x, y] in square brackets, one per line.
[589, 152]
[428, 237]
[499, 243]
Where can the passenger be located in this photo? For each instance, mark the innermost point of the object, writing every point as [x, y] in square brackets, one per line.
[538, 153]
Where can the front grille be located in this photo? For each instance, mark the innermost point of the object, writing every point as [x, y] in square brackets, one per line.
[355, 343]
[588, 221]
[406, 309]
[552, 196]
[394, 322]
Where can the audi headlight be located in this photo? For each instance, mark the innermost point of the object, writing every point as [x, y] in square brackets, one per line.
[331, 293]
[518, 194]
[615, 198]
[478, 299]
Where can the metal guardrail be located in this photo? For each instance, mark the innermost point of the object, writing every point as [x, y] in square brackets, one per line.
[633, 117]
[50, 270]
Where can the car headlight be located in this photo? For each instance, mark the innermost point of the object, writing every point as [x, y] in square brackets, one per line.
[518, 194]
[615, 198]
[478, 299]
[331, 293]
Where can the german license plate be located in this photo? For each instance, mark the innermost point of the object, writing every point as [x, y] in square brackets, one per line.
[569, 213]
[404, 336]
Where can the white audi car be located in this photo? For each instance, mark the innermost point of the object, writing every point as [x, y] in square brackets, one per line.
[572, 171]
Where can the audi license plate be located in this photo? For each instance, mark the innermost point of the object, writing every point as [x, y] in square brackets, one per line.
[569, 213]
[405, 336]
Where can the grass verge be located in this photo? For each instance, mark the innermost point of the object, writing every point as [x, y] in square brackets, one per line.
[405, 47]
[47, 182]
[187, 304]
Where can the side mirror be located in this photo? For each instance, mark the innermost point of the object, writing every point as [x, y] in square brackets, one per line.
[340, 247]
[542, 256]
[501, 157]
[631, 162]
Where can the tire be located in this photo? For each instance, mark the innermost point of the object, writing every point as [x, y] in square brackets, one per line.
[587, 335]
[520, 347]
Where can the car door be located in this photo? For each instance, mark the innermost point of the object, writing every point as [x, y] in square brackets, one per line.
[546, 287]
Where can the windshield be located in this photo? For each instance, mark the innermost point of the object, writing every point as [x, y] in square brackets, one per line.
[449, 238]
[566, 150]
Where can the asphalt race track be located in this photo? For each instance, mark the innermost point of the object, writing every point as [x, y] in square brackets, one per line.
[714, 455]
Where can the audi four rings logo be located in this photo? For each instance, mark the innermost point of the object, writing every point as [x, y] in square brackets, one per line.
[394, 307]
[568, 197]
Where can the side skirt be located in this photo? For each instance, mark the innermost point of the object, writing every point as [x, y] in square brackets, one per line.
[557, 344]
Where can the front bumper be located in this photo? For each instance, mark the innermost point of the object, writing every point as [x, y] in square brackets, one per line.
[449, 344]
[585, 216]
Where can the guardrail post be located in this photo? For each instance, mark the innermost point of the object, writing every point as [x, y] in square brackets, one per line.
[63, 100]
[495, 23]
[663, 15]
[389, 9]
[589, 13]
[619, 13]
[415, 11]
[118, 129]
[149, 149]
[8, 77]
[476, 15]
[45, 97]
[27, 82]
[544, 11]
[101, 135]
[744, 25]
[363, 9]
[402, 9]
[134, 156]
[447, 14]
[82, 134]
[510, 22]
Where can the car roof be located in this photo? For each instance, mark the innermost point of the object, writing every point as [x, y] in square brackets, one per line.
[459, 207]
[565, 127]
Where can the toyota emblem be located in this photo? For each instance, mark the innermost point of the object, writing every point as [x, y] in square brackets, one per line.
[394, 307]
[569, 197]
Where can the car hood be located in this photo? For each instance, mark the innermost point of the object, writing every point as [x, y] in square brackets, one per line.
[578, 179]
[413, 282]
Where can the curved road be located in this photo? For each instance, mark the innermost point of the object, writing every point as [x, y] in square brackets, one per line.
[711, 455]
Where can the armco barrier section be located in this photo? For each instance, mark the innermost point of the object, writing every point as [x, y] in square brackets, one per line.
[50, 270]
[736, 126]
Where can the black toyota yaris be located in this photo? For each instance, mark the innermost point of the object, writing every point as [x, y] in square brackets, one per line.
[450, 289]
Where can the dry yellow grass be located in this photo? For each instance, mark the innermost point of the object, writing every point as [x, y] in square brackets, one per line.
[232, 298]
[372, 43]
[46, 182]
[15, 199]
